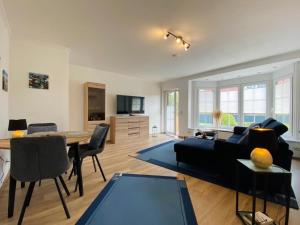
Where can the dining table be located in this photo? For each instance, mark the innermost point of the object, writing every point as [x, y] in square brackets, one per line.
[73, 139]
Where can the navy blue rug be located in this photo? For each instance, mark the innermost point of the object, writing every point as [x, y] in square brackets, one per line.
[163, 155]
[141, 199]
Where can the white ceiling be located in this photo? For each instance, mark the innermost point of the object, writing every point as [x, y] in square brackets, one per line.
[127, 36]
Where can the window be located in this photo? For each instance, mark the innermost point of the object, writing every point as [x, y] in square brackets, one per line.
[206, 107]
[136, 104]
[229, 106]
[282, 101]
[255, 103]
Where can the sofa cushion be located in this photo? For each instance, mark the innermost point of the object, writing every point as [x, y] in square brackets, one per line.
[195, 144]
[267, 122]
[278, 127]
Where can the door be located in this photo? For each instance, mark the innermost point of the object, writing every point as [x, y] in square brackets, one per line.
[171, 112]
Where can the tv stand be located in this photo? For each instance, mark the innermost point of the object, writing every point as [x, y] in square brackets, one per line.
[128, 128]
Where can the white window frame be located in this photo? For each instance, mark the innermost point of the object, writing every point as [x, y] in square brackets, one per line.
[239, 101]
[242, 114]
[196, 110]
[290, 133]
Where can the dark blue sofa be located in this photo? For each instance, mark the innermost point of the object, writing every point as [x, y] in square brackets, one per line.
[221, 155]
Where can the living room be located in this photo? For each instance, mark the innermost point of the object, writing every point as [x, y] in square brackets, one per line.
[153, 95]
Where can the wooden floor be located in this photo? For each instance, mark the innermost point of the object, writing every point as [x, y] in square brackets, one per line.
[213, 205]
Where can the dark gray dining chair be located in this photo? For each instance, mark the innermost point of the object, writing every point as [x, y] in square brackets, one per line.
[41, 127]
[92, 149]
[38, 158]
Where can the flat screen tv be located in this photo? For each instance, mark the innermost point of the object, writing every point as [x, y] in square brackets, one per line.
[130, 104]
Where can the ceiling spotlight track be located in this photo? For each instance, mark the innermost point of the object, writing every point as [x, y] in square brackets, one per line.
[178, 39]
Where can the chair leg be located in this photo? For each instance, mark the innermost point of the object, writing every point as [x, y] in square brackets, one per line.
[62, 199]
[76, 185]
[22, 184]
[40, 182]
[94, 163]
[26, 202]
[71, 174]
[29, 198]
[100, 167]
[64, 185]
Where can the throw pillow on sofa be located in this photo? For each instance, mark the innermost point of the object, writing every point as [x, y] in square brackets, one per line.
[278, 127]
[266, 122]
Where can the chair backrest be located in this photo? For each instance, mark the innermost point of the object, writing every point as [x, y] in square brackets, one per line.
[99, 136]
[41, 127]
[37, 158]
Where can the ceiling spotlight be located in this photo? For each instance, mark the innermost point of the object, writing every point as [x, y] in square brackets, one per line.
[166, 36]
[178, 39]
[186, 46]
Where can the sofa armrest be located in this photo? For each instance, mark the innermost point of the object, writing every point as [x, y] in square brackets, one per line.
[239, 129]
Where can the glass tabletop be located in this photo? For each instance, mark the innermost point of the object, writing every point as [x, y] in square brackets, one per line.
[272, 169]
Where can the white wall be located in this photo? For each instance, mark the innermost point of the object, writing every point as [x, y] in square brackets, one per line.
[4, 64]
[115, 84]
[38, 105]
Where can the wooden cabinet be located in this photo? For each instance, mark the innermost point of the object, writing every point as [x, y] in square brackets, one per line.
[128, 128]
[94, 105]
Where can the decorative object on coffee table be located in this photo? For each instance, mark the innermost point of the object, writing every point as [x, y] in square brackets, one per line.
[265, 173]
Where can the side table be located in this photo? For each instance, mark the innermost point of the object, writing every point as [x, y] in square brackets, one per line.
[248, 164]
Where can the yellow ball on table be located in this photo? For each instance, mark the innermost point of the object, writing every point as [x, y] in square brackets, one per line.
[261, 157]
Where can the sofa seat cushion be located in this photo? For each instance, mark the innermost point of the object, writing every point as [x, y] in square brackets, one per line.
[195, 144]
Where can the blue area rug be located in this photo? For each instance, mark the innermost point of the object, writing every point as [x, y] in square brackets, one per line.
[140, 199]
[163, 155]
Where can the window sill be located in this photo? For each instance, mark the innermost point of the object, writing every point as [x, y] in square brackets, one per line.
[294, 140]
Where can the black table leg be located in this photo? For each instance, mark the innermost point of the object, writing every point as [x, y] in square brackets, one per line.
[78, 169]
[288, 196]
[11, 196]
[265, 194]
[237, 189]
[254, 198]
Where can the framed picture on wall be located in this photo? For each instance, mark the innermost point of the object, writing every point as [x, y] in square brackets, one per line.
[38, 81]
[4, 80]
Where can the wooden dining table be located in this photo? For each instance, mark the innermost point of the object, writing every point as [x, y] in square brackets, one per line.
[73, 138]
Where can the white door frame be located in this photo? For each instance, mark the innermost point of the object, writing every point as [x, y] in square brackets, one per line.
[176, 99]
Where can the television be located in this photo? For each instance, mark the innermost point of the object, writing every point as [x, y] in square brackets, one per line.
[130, 104]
